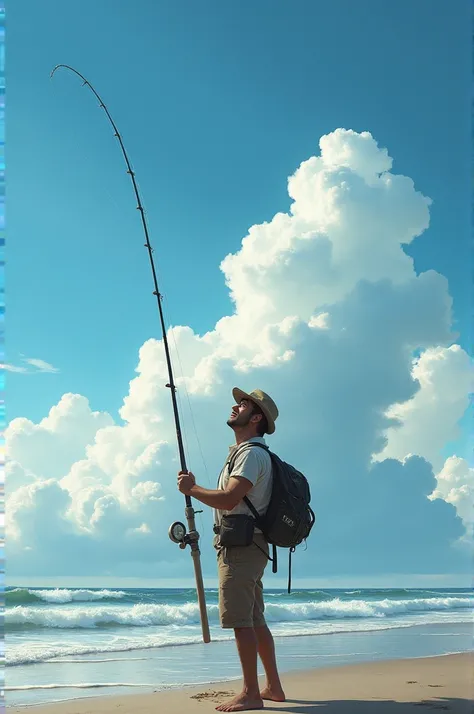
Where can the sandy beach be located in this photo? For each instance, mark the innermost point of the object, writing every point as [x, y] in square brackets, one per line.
[442, 683]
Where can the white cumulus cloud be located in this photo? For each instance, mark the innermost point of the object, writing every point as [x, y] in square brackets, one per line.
[328, 312]
[430, 420]
[455, 485]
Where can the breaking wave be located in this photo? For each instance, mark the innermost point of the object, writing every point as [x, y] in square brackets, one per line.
[23, 596]
[148, 615]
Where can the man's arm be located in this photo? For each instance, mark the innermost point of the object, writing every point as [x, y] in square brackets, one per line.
[224, 500]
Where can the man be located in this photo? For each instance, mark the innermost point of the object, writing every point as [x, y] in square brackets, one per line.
[241, 568]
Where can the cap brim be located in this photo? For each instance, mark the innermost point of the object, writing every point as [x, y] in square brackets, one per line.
[238, 395]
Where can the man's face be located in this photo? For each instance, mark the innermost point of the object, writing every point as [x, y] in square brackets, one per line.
[241, 414]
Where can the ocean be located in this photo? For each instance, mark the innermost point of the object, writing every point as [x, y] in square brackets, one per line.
[65, 643]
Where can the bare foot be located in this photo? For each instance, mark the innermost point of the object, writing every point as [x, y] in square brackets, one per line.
[241, 703]
[273, 694]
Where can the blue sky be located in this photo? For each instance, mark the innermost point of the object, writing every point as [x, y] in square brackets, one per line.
[218, 103]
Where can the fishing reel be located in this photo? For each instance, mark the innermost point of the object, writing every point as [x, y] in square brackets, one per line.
[177, 533]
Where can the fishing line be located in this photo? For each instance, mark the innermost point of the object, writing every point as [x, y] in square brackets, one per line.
[191, 413]
[201, 520]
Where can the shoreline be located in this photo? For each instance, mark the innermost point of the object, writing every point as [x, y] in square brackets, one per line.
[54, 682]
[439, 681]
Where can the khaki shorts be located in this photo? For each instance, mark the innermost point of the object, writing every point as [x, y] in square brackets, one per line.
[240, 571]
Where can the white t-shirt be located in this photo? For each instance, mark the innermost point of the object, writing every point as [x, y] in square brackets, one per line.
[254, 464]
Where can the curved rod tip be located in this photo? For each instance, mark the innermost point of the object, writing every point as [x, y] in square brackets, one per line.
[54, 70]
[66, 66]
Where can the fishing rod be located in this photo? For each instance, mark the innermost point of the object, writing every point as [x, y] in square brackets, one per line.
[177, 531]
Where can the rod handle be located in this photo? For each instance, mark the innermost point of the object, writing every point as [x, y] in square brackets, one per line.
[206, 635]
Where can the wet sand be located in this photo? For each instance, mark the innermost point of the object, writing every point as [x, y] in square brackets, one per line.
[431, 684]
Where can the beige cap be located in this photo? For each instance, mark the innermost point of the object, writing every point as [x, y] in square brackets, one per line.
[266, 404]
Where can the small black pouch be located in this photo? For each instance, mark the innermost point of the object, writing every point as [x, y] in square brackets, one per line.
[236, 530]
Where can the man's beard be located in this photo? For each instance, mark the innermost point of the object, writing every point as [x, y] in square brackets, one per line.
[240, 420]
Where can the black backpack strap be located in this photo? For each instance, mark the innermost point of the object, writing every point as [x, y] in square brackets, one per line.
[292, 550]
[254, 511]
[247, 445]
[231, 464]
[272, 560]
[249, 503]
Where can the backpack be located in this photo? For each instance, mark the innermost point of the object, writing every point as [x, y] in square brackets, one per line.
[289, 518]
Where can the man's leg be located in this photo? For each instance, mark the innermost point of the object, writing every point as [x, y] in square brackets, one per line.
[236, 603]
[250, 697]
[266, 650]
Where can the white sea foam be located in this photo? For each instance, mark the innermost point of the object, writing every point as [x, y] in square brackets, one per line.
[82, 685]
[146, 615]
[61, 596]
[30, 653]
[94, 661]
